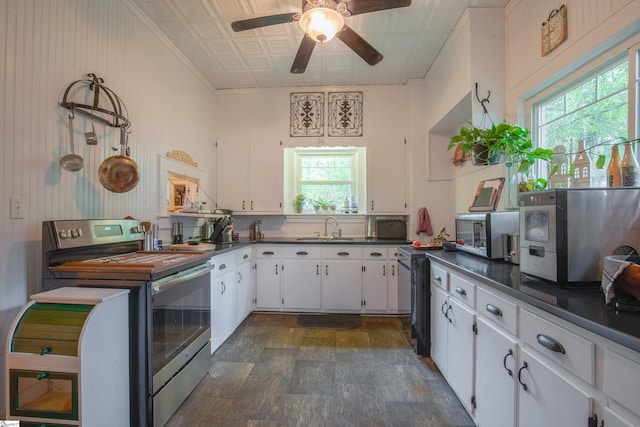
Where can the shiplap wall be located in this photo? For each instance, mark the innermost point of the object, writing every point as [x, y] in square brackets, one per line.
[45, 45]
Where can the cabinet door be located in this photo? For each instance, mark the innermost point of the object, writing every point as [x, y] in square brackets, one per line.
[439, 327]
[245, 291]
[341, 285]
[496, 371]
[301, 284]
[233, 174]
[266, 188]
[551, 399]
[268, 273]
[386, 172]
[223, 307]
[460, 351]
[374, 286]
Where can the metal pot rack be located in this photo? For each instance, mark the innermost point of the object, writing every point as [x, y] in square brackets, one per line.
[112, 113]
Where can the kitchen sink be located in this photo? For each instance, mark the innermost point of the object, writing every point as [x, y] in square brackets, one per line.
[325, 239]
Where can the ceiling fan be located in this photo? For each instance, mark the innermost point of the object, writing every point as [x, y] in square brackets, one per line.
[321, 20]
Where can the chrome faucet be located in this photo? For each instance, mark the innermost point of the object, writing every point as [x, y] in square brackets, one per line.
[326, 221]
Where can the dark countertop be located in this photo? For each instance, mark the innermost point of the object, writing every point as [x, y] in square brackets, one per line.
[584, 307]
[226, 247]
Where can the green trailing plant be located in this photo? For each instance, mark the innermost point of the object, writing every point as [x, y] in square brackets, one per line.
[505, 140]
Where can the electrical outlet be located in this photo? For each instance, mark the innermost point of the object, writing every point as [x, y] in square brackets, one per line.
[17, 208]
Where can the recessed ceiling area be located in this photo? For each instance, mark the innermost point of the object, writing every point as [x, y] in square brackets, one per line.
[409, 38]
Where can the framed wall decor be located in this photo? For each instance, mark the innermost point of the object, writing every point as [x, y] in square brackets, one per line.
[307, 114]
[487, 195]
[345, 114]
[554, 30]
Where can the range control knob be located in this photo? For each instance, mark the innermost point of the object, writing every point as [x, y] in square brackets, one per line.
[76, 232]
[63, 234]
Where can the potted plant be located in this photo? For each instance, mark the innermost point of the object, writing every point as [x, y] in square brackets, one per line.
[507, 140]
[298, 203]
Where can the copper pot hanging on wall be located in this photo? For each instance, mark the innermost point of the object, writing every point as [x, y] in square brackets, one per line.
[119, 173]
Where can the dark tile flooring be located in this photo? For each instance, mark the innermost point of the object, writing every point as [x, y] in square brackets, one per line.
[271, 372]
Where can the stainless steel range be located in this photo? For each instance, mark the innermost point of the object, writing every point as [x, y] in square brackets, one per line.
[169, 309]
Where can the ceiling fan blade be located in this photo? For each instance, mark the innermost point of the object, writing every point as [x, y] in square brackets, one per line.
[264, 21]
[357, 7]
[359, 46]
[304, 54]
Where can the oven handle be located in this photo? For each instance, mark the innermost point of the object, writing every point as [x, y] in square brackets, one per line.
[171, 281]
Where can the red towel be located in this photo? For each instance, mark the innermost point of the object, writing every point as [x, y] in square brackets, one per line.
[423, 222]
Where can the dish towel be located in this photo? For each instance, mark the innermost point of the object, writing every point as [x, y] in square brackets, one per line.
[423, 222]
[611, 269]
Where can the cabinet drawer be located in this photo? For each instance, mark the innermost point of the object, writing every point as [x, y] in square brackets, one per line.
[572, 352]
[341, 252]
[439, 277]
[268, 251]
[392, 253]
[498, 310]
[243, 255]
[302, 251]
[622, 380]
[223, 263]
[462, 289]
[375, 253]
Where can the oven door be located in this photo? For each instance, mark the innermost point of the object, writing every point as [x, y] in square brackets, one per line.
[181, 306]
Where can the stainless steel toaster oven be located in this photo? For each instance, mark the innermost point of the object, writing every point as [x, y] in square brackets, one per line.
[482, 233]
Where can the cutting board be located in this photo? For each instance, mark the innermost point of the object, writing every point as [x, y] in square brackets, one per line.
[199, 247]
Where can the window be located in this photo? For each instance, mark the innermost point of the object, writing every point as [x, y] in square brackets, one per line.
[596, 104]
[325, 176]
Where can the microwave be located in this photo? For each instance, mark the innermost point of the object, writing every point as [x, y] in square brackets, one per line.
[566, 233]
[482, 233]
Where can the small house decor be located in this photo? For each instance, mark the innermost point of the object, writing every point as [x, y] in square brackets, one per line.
[582, 167]
[307, 114]
[345, 113]
[561, 165]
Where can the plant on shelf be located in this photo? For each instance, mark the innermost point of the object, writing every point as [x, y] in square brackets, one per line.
[298, 202]
[443, 236]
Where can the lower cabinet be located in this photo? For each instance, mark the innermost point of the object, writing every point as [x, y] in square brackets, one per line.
[341, 283]
[439, 328]
[374, 286]
[496, 373]
[223, 304]
[245, 290]
[301, 280]
[547, 397]
[461, 351]
[268, 274]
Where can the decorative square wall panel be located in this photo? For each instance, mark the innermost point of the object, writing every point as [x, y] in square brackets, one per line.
[345, 113]
[307, 114]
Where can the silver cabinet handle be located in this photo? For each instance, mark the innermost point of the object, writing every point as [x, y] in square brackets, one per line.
[437, 278]
[550, 343]
[460, 290]
[494, 310]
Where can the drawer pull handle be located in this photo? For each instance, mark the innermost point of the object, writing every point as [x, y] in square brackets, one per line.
[245, 256]
[267, 253]
[494, 310]
[375, 254]
[302, 253]
[460, 290]
[343, 253]
[42, 375]
[45, 350]
[437, 278]
[550, 343]
[504, 362]
[525, 365]
[222, 266]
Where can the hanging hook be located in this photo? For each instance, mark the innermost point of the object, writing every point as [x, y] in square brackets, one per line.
[72, 114]
[483, 101]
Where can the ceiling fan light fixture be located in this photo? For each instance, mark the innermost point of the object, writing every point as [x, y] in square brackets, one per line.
[322, 23]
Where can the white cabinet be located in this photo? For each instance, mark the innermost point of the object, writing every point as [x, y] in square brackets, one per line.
[439, 328]
[461, 351]
[341, 278]
[548, 397]
[245, 284]
[301, 279]
[249, 175]
[622, 387]
[496, 369]
[374, 286]
[268, 278]
[386, 176]
[223, 299]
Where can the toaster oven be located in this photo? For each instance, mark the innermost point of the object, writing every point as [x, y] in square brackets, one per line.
[482, 233]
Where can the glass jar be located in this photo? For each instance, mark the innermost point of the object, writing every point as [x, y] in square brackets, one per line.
[613, 170]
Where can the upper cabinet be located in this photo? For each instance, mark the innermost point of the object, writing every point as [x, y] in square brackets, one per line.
[249, 176]
[387, 176]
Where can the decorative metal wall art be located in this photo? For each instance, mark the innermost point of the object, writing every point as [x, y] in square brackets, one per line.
[307, 114]
[554, 30]
[345, 114]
